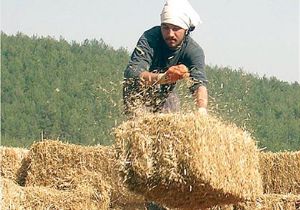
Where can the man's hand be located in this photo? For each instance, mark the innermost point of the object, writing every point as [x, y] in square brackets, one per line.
[175, 73]
[202, 111]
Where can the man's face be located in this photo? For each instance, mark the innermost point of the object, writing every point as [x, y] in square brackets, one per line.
[173, 35]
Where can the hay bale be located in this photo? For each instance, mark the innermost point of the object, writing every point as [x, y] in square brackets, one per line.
[65, 166]
[188, 161]
[13, 163]
[84, 197]
[272, 202]
[280, 172]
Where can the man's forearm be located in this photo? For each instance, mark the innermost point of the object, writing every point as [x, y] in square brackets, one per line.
[201, 97]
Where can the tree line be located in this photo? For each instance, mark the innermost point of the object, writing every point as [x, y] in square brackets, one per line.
[72, 91]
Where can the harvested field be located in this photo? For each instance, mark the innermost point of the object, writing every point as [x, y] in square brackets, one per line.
[280, 172]
[65, 166]
[188, 161]
[84, 197]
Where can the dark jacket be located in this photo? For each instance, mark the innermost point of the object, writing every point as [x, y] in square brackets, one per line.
[152, 54]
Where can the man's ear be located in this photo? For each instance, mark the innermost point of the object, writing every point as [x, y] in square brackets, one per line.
[191, 28]
[188, 31]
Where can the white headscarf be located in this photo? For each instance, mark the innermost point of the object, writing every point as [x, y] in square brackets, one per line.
[179, 13]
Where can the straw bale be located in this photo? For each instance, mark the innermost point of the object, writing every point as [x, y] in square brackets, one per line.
[272, 202]
[188, 161]
[18, 197]
[280, 172]
[13, 162]
[65, 166]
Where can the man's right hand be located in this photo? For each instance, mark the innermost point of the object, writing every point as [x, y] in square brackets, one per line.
[177, 72]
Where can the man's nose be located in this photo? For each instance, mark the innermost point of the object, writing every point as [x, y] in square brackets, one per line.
[171, 32]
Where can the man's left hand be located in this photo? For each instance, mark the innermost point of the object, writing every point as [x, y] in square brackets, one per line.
[177, 72]
[202, 111]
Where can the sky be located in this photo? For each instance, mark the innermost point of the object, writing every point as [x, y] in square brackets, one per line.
[260, 37]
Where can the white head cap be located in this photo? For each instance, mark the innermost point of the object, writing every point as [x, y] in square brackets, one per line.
[179, 13]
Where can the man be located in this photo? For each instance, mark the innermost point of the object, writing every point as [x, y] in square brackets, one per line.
[164, 55]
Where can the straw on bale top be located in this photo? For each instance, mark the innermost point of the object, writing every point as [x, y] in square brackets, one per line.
[188, 161]
[224, 207]
[272, 202]
[66, 166]
[266, 202]
[84, 197]
[11, 162]
[280, 172]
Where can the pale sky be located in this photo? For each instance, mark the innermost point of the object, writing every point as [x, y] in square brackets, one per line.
[259, 36]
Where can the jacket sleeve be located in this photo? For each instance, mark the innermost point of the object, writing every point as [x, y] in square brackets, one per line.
[140, 59]
[195, 61]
